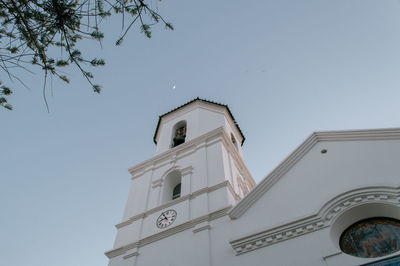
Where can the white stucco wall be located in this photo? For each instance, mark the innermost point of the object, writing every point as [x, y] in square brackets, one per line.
[297, 220]
[318, 177]
[204, 188]
[201, 118]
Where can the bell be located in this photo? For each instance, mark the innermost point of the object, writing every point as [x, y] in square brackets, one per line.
[179, 140]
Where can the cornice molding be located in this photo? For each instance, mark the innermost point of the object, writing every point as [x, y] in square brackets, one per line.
[130, 255]
[173, 202]
[300, 151]
[205, 227]
[141, 168]
[176, 153]
[166, 233]
[322, 219]
[184, 171]
[359, 135]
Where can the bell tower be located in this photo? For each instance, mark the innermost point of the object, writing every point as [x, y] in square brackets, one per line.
[194, 179]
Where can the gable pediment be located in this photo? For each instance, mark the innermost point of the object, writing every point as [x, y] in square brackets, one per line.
[301, 151]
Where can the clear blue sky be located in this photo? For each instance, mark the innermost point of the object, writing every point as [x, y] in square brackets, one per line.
[285, 68]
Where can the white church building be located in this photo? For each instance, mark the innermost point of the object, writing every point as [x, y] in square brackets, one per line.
[335, 200]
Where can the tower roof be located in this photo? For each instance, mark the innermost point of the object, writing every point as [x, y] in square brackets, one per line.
[202, 100]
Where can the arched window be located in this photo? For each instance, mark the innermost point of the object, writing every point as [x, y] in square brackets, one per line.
[179, 133]
[172, 186]
[372, 237]
[176, 193]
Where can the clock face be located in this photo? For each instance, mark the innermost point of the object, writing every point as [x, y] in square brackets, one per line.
[166, 219]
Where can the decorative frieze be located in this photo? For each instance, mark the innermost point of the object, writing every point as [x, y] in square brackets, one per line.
[322, 219]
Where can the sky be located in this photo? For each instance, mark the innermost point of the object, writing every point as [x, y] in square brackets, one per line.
[285, 68]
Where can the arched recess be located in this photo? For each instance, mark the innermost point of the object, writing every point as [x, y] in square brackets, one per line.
[171, 188]
[362, 212]
[179, 133]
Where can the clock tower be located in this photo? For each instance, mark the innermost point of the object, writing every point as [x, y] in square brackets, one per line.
[196, 176]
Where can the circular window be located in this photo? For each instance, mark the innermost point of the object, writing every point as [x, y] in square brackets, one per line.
[373, 237]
